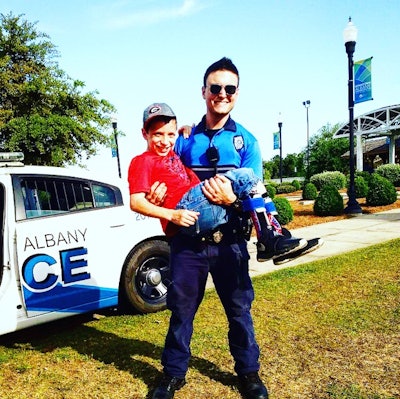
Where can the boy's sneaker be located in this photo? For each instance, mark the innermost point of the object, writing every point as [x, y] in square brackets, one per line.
[276, 246]
[312, 245]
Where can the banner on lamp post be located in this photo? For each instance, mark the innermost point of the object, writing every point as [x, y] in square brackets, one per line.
[362, 81]
[277, 142]
[113, 147]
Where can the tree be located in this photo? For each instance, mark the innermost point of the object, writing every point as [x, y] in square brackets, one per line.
[290, 165]
[326, 152]
[43, 112]
[301, 164]
[272, 167]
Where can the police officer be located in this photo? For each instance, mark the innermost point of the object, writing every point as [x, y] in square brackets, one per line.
[216, 144]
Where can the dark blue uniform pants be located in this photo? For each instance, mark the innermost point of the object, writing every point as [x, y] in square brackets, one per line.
[228, 264]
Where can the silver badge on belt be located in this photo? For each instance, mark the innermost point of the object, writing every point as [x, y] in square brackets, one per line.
[217, 237]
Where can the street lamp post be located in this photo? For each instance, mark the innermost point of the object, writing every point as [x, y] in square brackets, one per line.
[114, 125]
[350, 37]
[307, 105]
[280, 145]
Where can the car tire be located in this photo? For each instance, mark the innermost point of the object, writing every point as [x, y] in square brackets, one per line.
[145, 278]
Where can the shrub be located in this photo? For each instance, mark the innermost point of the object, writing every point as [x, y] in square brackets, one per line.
[381, 191]
[360, 186]
[335, 179]
[285, 188]
[329, 202]
[296, 184]
[364, 174]
[270, 190]
[310, 192]
[390, 172]
[284, 209]
[272, 183]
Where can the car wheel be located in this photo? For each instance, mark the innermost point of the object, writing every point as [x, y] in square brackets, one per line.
[145, 277]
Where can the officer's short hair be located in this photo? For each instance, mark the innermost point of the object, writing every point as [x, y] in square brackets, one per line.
[224, 64]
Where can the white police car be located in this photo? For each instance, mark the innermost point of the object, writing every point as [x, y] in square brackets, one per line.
[70, 244]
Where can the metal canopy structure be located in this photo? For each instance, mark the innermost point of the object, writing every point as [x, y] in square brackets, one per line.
[381, 122]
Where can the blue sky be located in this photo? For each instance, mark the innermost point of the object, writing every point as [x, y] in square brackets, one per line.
[135, 52]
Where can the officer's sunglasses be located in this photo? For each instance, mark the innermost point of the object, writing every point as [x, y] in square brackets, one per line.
[229, 89]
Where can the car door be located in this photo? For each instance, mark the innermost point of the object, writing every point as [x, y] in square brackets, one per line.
[68, 234]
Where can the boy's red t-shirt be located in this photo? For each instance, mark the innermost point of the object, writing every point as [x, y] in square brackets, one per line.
[147, 168]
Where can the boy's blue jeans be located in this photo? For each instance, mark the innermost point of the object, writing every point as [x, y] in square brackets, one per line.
[212, 215]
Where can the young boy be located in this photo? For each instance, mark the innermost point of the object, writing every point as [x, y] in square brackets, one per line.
[186, 210]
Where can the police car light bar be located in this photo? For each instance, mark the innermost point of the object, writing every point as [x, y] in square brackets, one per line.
[11, 158]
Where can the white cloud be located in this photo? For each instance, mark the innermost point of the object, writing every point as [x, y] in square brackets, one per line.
[128, 14]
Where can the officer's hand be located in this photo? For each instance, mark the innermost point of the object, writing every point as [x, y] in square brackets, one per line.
[218, 190]
[157, 194]
[184, 217]
[186, 130]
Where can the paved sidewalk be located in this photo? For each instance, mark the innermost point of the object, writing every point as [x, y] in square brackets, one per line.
[339, 237]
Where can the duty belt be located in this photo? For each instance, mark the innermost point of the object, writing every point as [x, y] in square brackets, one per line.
[218, 236]
[215, 237]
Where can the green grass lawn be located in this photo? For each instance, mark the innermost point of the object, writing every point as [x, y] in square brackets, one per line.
[327, 329]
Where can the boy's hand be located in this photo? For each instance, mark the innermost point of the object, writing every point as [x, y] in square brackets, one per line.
[218, 190]
[184, 217]
[157, 194]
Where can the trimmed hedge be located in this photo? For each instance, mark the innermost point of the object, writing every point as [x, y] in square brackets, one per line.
[381, 191]
[271, 190]
[285, 188]
[309, 192]
[296, 184]
[361, 187]
[329, 202]
[284, 209]
[335, 179]
[390, 172]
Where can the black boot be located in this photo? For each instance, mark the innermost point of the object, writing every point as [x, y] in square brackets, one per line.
[252, 387]
[167, 387]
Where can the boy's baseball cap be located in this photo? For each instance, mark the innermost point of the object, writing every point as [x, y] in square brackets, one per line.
[157, 109]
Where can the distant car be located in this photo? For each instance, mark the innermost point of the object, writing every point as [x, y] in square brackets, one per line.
[70, 244]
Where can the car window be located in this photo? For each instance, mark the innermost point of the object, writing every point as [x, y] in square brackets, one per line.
[43, 196]
[46, 196]
[103, 196]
